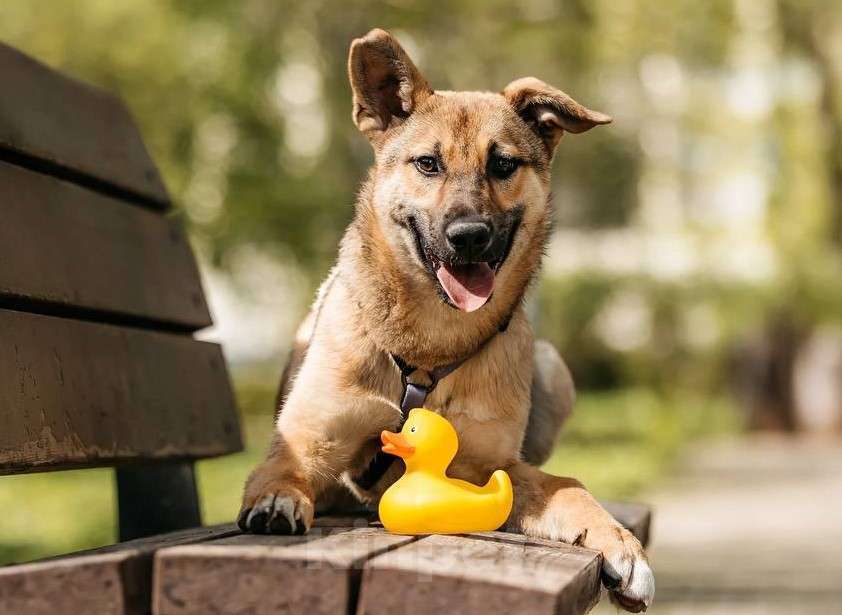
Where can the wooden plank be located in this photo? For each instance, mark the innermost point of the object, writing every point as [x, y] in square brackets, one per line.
[467, 574]
[113, 580]
[346, 521]
[67, 245]
[75, 128]
[636, 518]
[314, 574]
[76, 393]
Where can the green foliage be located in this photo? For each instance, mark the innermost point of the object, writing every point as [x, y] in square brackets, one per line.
[672, 353]
[74, 511]
[224, 91]
[619, 442]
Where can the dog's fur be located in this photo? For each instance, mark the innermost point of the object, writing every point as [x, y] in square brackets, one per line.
[507, 402]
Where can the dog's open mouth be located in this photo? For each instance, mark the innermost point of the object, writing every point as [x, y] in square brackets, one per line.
[465, 286]
[468, 286]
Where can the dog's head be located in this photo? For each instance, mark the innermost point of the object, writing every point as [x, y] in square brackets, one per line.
[463, 178]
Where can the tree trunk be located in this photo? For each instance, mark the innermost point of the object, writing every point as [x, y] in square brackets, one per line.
[766, 375]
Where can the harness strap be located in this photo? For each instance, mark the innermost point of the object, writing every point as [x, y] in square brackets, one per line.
[414, 395]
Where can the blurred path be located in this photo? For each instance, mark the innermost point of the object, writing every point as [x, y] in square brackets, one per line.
[750, 526]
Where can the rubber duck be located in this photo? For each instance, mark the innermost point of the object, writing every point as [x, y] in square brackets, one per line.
[424, 500]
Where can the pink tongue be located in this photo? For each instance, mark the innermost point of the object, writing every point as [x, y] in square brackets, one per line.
[468, 286]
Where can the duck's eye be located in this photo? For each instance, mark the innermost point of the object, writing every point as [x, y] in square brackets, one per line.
[502, 167]
[412, 429]
[427, 165]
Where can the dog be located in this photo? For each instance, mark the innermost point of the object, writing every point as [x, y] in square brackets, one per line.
[425, 304]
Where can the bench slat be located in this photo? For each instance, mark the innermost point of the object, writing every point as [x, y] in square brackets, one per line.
[490, 573]
[74, 127]
[314, 574]
[75, 394]
[113, 580]
[69, 246]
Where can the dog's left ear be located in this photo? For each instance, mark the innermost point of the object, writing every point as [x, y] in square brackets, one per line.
[386, 84]
[550, 112]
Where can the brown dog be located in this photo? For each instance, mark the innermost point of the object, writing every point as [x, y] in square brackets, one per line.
[449, 231]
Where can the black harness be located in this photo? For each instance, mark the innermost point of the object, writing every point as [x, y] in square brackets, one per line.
[414, 395]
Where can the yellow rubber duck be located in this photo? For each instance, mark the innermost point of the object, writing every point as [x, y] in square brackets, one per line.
[424, 500]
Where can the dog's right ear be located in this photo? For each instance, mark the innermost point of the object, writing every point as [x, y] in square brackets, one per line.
[387, 86]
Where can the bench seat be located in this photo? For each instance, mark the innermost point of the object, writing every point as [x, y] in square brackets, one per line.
[344, 565]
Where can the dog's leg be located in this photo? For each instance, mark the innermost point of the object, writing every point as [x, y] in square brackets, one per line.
[553, 395]
[279, 496]
[558, 508]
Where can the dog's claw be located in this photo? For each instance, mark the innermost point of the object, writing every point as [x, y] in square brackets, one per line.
[625, 570]
[242, 519]
[258, 517]
[630, 581]
[275, 514]
[283, 516]
[610, 577]
[280, 525]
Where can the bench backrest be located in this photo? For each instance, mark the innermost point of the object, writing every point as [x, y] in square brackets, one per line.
[99, 291]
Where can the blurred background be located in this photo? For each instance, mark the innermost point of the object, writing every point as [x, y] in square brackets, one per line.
[693, 281]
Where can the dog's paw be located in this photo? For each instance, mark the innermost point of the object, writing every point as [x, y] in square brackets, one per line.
[625, 569]
[288, 511]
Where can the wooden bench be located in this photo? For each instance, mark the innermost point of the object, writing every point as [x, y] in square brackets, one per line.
[99, 298]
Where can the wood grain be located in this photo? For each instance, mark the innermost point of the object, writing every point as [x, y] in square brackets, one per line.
[113, 580]
[314, 574]
[66, 245]
[482, 574]
[50, 117]
[75, 393]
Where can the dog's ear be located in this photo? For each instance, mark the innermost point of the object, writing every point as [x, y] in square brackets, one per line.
[548, 111]
[387, 86]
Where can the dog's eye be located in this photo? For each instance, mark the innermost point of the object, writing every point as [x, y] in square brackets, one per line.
[502, 167]
[427, 165]
[412, 429]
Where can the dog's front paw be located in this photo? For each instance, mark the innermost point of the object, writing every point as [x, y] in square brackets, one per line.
[274, 506]
[625, 569]
[288, 512]
[577, 519]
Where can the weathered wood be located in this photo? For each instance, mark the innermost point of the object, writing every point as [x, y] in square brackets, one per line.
[634, 517]
[113, 580]
[78, 131]
[314, 574]
[75, 393]
[491, 573]
[346, 521]
[63, 245]
[154, 498]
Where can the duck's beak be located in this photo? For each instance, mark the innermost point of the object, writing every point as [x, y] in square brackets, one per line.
[396, 444]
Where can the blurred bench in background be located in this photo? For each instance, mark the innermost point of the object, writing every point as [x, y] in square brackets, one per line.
[99, 297]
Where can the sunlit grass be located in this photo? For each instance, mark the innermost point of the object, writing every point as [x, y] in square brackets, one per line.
[45, 514]
[617, 443]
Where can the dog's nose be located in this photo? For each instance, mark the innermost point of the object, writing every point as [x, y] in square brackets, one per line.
[468, 239]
